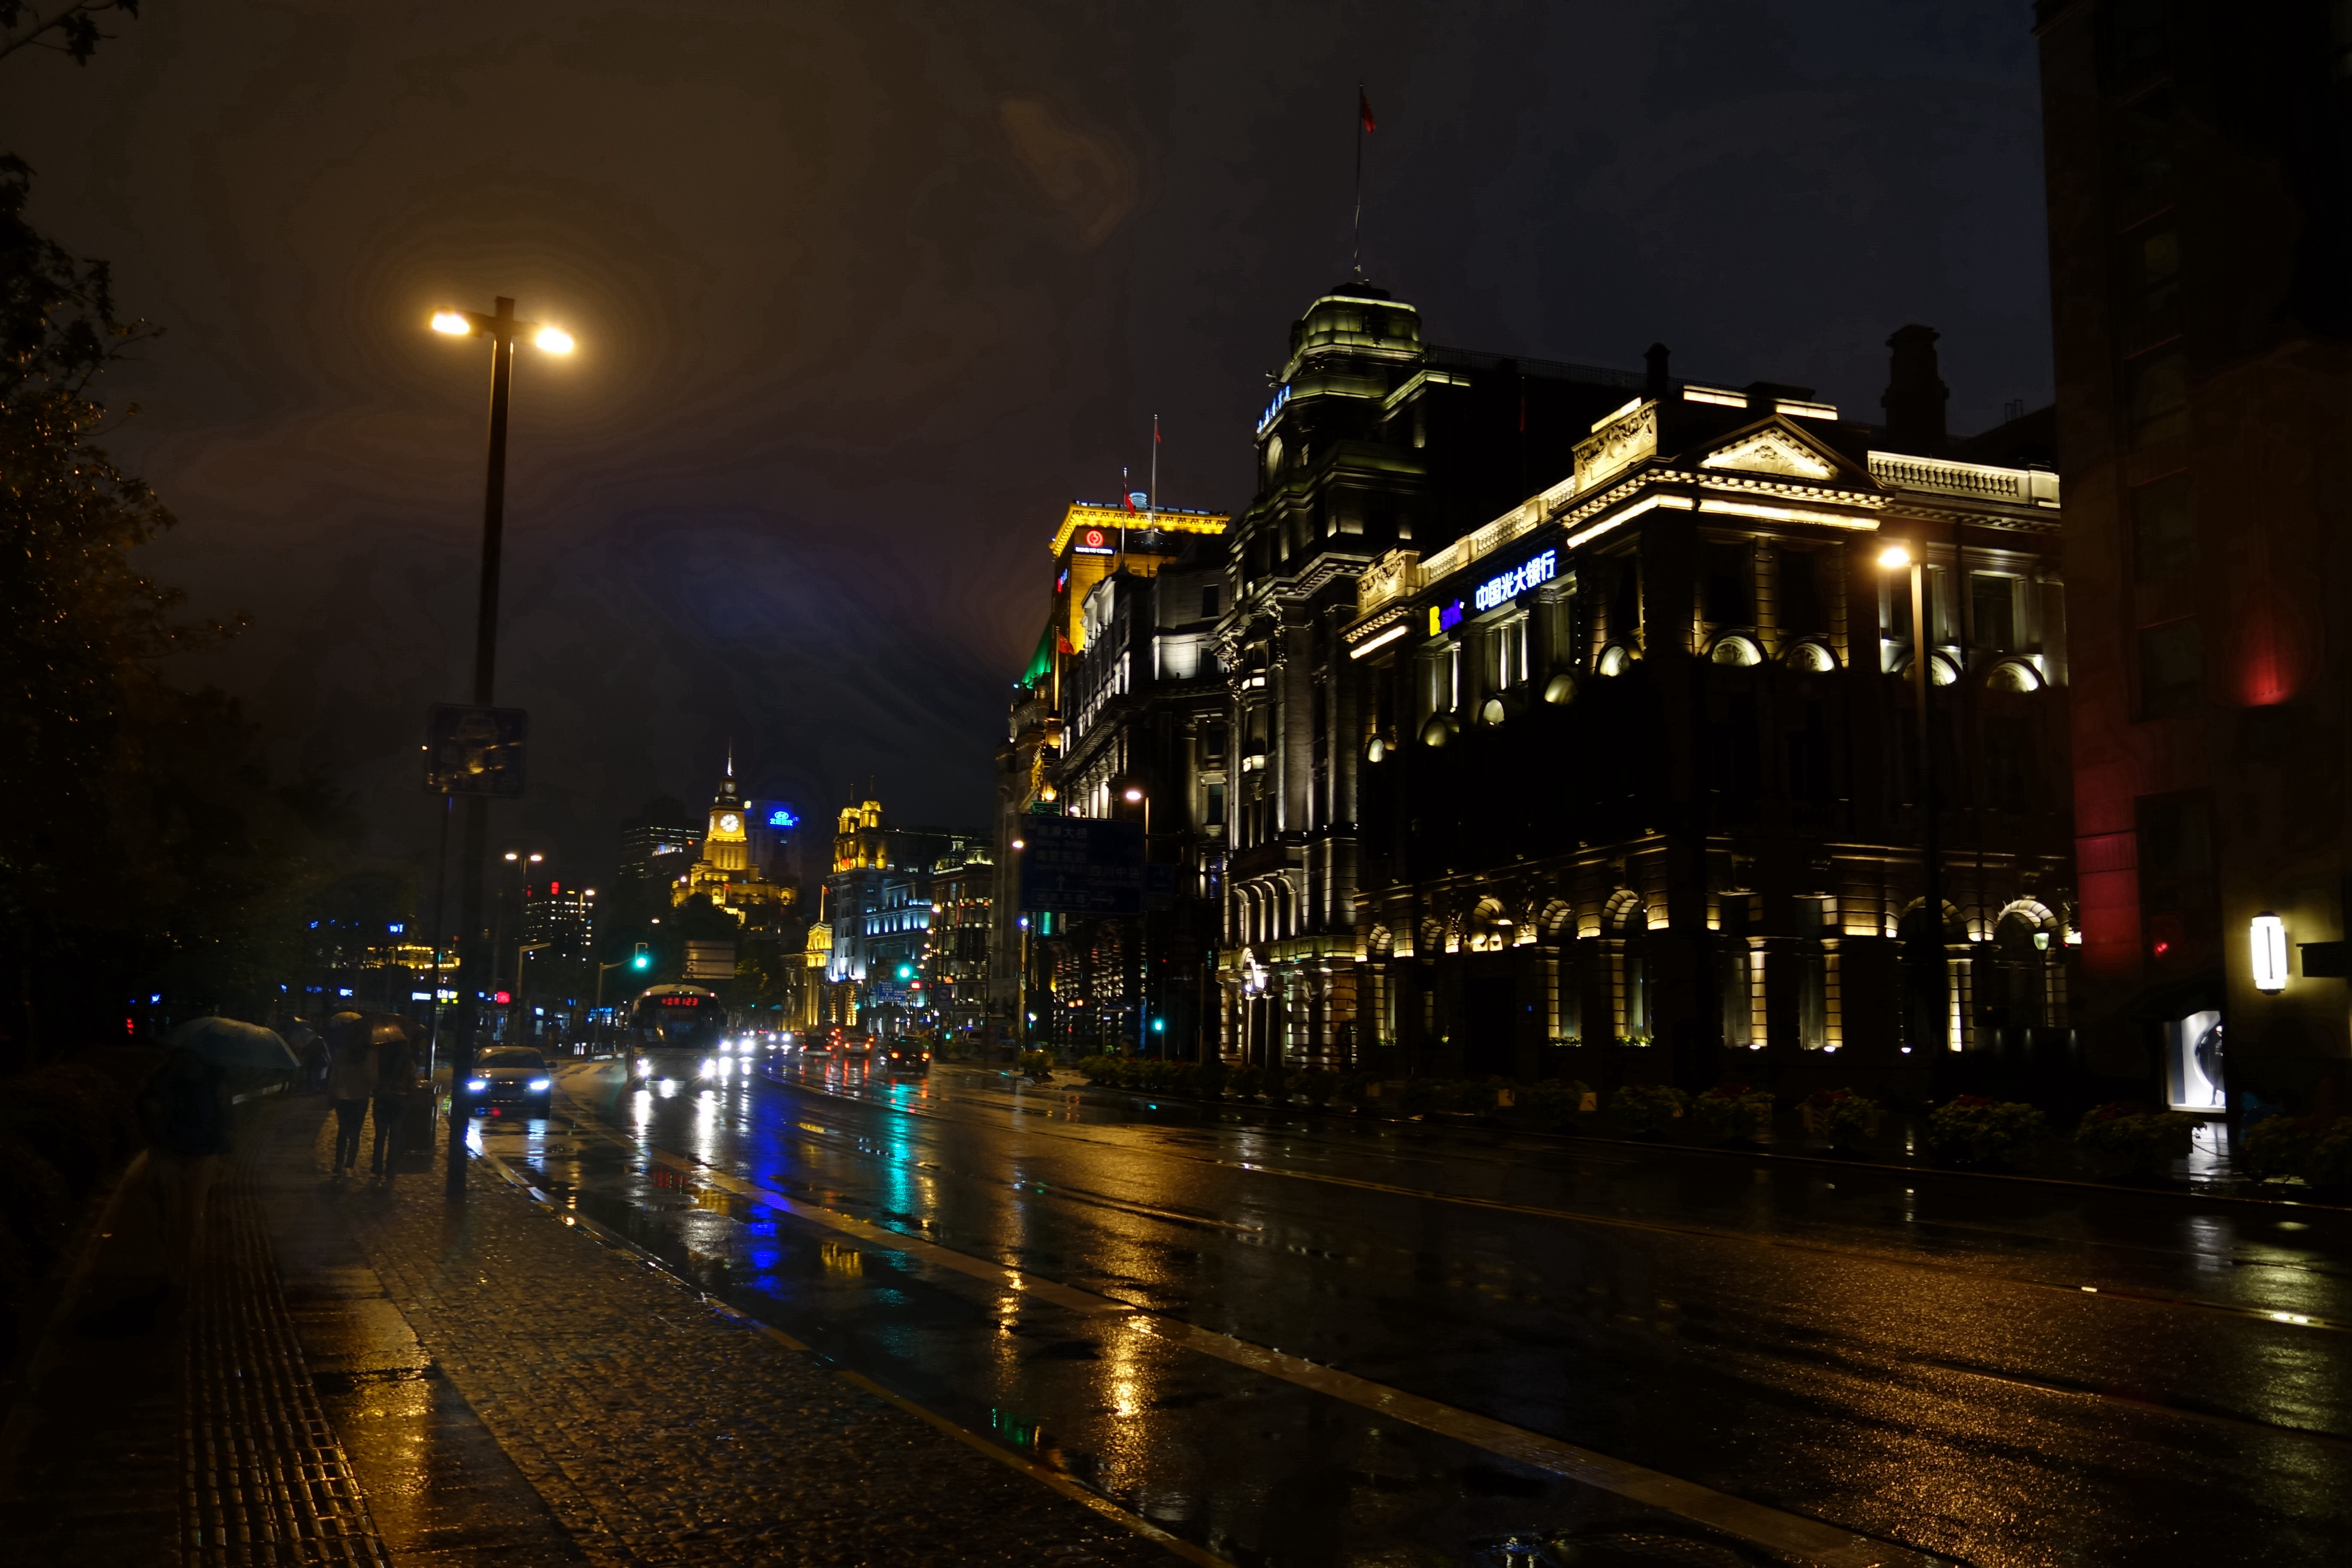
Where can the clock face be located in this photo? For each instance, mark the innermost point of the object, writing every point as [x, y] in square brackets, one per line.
[729, 822]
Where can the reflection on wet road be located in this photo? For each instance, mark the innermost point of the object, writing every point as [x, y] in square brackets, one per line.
[1310, 1341]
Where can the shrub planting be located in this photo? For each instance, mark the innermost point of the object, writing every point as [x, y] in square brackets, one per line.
[2133, 1140]
[2316, 1148]
[1840, 1117]
[1972, 1127]
[1734, 1110]
[1645, 1108]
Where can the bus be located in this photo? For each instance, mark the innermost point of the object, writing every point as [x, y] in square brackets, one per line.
[676, 1034]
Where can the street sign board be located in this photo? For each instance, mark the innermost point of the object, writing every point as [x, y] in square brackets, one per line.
[1082, 865]
[475, 751]
[710, 961]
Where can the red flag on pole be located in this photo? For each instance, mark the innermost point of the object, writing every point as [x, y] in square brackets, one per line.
[1364, 108]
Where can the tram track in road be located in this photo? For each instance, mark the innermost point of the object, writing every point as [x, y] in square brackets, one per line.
[1034, 1124]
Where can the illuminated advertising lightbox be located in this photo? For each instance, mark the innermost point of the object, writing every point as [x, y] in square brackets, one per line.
[2193, 1077]
[1444, 617]
[1498, 591]
[1093, 541]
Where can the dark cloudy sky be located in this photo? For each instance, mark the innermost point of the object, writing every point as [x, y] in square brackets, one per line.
[865, 292]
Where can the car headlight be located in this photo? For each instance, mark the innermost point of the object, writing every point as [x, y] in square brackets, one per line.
[709, 1067]
[477, 1083]
[539, 1083]
[642, 1066]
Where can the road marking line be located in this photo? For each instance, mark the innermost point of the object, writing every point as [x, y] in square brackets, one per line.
[1052, 1477]
[1817, 1541]
[1702, 1233]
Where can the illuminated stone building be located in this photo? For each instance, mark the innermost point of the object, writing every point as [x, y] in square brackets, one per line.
[877, 905]
[1143, 740]
[1639, 792]
[1374, 441]
[726, 875]
[963, 902]
[2199, 183]
[1127, 546]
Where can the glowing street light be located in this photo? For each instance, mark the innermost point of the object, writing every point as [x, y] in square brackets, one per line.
[503, 329]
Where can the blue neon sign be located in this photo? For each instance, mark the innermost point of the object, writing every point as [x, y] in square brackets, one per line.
[1501, 589]
[782, 817]
[1273, 408]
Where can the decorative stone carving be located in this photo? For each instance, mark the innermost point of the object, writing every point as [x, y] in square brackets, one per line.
[1617, 446]
[1770, 452]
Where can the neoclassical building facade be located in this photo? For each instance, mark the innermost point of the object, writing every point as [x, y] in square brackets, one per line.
[1627, 772]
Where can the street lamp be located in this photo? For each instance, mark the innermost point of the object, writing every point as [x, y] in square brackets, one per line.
[502, 328]
[1928, 960]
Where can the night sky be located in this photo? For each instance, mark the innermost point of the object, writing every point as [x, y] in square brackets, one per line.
[864, 293]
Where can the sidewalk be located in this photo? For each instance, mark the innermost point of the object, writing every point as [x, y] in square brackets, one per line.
[366, 1376]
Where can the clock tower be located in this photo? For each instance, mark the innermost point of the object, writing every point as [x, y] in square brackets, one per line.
[728, 846]
[726, 873]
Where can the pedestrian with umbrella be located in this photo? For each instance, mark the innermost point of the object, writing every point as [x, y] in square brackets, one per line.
[184, 1111]
[352, 1074]
[395, 1083]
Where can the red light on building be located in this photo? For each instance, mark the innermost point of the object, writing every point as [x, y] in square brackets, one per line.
[502, 997]
[553, 889]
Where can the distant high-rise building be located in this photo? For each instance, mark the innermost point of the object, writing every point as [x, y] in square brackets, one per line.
[2199, 186]
[657, 847]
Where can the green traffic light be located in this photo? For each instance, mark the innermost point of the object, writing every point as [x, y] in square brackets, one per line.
[643, 961]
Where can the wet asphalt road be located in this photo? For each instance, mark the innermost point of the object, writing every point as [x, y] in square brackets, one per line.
[1988, 1372]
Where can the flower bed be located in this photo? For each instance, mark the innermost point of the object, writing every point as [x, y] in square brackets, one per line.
[1974, 1128]
[1644, 1108]
[1734, 1110]
[2132, 1140]
[2316, 1148]
[1840, 1117]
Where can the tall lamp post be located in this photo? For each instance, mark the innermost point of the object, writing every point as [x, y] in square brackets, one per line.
[1136, 795]
[475, 959]
[1928, 964]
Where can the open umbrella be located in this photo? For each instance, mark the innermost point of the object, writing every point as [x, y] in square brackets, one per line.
[234, 1045]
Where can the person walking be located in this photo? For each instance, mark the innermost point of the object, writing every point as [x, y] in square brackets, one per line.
[351, 1080]
[396, 1080]
[184, 1111]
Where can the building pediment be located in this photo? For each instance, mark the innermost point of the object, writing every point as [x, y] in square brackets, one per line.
[1775, 448]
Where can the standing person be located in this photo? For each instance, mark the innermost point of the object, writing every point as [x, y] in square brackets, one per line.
[351, 1080]
[395, 1079]
[184, 1111]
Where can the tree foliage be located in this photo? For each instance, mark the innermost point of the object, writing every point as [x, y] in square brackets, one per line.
[70, 28]
[142, 839]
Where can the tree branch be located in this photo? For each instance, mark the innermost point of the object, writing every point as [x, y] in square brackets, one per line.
[77, 22]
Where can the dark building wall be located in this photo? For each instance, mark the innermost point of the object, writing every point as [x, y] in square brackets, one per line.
[2198, 210]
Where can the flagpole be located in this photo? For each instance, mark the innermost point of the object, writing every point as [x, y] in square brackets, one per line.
[1124, 506]
[1359, 180]
[1155, 468]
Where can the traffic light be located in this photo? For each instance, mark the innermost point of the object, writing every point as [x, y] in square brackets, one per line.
[906, 972]
[642, 958]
